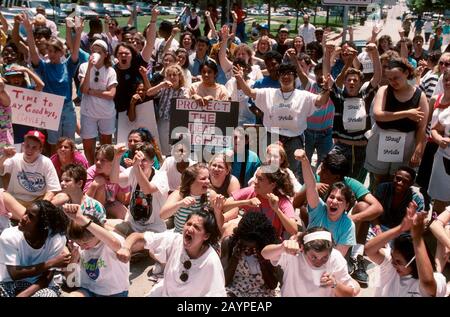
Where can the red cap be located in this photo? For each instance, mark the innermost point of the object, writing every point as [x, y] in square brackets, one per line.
[37, 135]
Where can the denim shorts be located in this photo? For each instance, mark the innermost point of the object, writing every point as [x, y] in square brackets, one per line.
[67, 125]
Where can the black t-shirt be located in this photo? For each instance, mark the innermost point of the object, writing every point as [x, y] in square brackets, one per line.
[128, 80]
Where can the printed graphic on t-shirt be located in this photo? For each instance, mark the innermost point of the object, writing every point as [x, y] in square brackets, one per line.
[92, 267]
[31, 181]
[141, 206]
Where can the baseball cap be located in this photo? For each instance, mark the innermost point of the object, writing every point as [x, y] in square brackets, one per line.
[37, 135]
[10, 71]
[264, 26]
[284, 30]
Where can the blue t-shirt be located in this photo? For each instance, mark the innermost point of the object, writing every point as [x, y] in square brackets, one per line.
[358, 189]
[58, 77]
[343, 230]
[251, 165]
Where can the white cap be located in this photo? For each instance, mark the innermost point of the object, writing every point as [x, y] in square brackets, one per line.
[101, 43]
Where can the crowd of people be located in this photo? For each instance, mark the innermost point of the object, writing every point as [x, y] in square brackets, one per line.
[240, 224]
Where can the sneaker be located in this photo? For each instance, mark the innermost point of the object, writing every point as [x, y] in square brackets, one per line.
[360, 274]
[351, 265]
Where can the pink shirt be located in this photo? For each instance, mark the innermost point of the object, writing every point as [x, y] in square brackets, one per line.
[111, 189]
[285, 206]
[78, 158]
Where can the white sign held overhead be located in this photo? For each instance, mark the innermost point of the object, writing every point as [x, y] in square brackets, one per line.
[348, 2]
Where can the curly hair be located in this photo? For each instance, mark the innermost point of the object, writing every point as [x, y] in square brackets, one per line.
[345, 191]
[280, 178]
[51, 218]
[254, 226]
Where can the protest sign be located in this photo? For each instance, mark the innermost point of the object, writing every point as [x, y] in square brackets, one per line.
[206, 126]
[145, 118]
[391, 146]
[35, 109]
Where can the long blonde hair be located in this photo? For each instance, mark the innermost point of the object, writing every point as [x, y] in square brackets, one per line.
[178, 70]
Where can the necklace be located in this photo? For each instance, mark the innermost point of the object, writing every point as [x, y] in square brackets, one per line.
[288, 97]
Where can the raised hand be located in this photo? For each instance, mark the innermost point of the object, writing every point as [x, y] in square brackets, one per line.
[291, 247]
[9, 151]
[188, 201]
[138, 158]
[273, 201]
[254, 202]
[119, 149]
[300, 154]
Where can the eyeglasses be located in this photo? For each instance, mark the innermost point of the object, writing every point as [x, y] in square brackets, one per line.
[446, 64]
[287, 74]
[97, 73]
[184, 275]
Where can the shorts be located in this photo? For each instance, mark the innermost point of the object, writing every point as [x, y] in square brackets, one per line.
[88, 293]
[373, 165]
[91, 126]
[67, 125]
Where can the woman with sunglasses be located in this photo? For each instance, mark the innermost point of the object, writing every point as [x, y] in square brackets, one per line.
[98, 81]
[192, 266]
[405, 267]
[286, 109]
[311, 265]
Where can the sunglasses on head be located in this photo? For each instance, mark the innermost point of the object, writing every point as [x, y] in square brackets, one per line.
[184, 275]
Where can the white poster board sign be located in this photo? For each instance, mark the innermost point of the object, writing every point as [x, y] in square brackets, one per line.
[391, 146]
[145, 118]
[35, 109]
[354, 114]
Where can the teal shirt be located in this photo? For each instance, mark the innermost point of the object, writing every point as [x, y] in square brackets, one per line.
[342, 230]
[358, 189]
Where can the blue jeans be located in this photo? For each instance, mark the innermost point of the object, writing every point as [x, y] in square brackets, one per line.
[320, 140]
[67, 125]
[240, 32]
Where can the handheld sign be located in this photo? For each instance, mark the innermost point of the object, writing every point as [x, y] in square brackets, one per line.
[204, 126]
[145, 118]
[391, 146]
[34, 108]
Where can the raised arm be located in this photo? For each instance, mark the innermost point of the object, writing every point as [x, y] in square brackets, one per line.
[211, 25]
[312, 195]
[116, 177]
[4, 23]
[239, 74]
[225, 63]
[30, 39]
[15, 35]
[150, 36]
[73, 211]
[169, 41]
[424, 267]
[79, 26]
[174, 202]
[142, 179]
[273, 252]
[375, 57]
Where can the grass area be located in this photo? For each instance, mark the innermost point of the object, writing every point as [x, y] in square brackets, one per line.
[334, 22]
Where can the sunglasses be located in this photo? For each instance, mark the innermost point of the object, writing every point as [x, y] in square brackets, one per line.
[97, 73]
[184, 275]
[446, 64]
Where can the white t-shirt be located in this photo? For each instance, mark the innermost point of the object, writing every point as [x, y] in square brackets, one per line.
[15, 251]
[31, 180]
[439, 89]
[154, 223]
[101, 272]
[173, 175]
[245, 115]
[366, 62]
[299, 278]
[286, 111]
[92, 106]
[428, 27]
[206, 277]
[308, 32]
[158, 49]
[392, 285]
[444, 119]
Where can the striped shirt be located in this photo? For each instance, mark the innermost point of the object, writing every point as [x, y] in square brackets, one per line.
[321, 119]
[338, 96]
[183, 212]
[428, 83]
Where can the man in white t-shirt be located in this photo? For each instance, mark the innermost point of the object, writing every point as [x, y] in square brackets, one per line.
[307, 30]
[32, 175]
